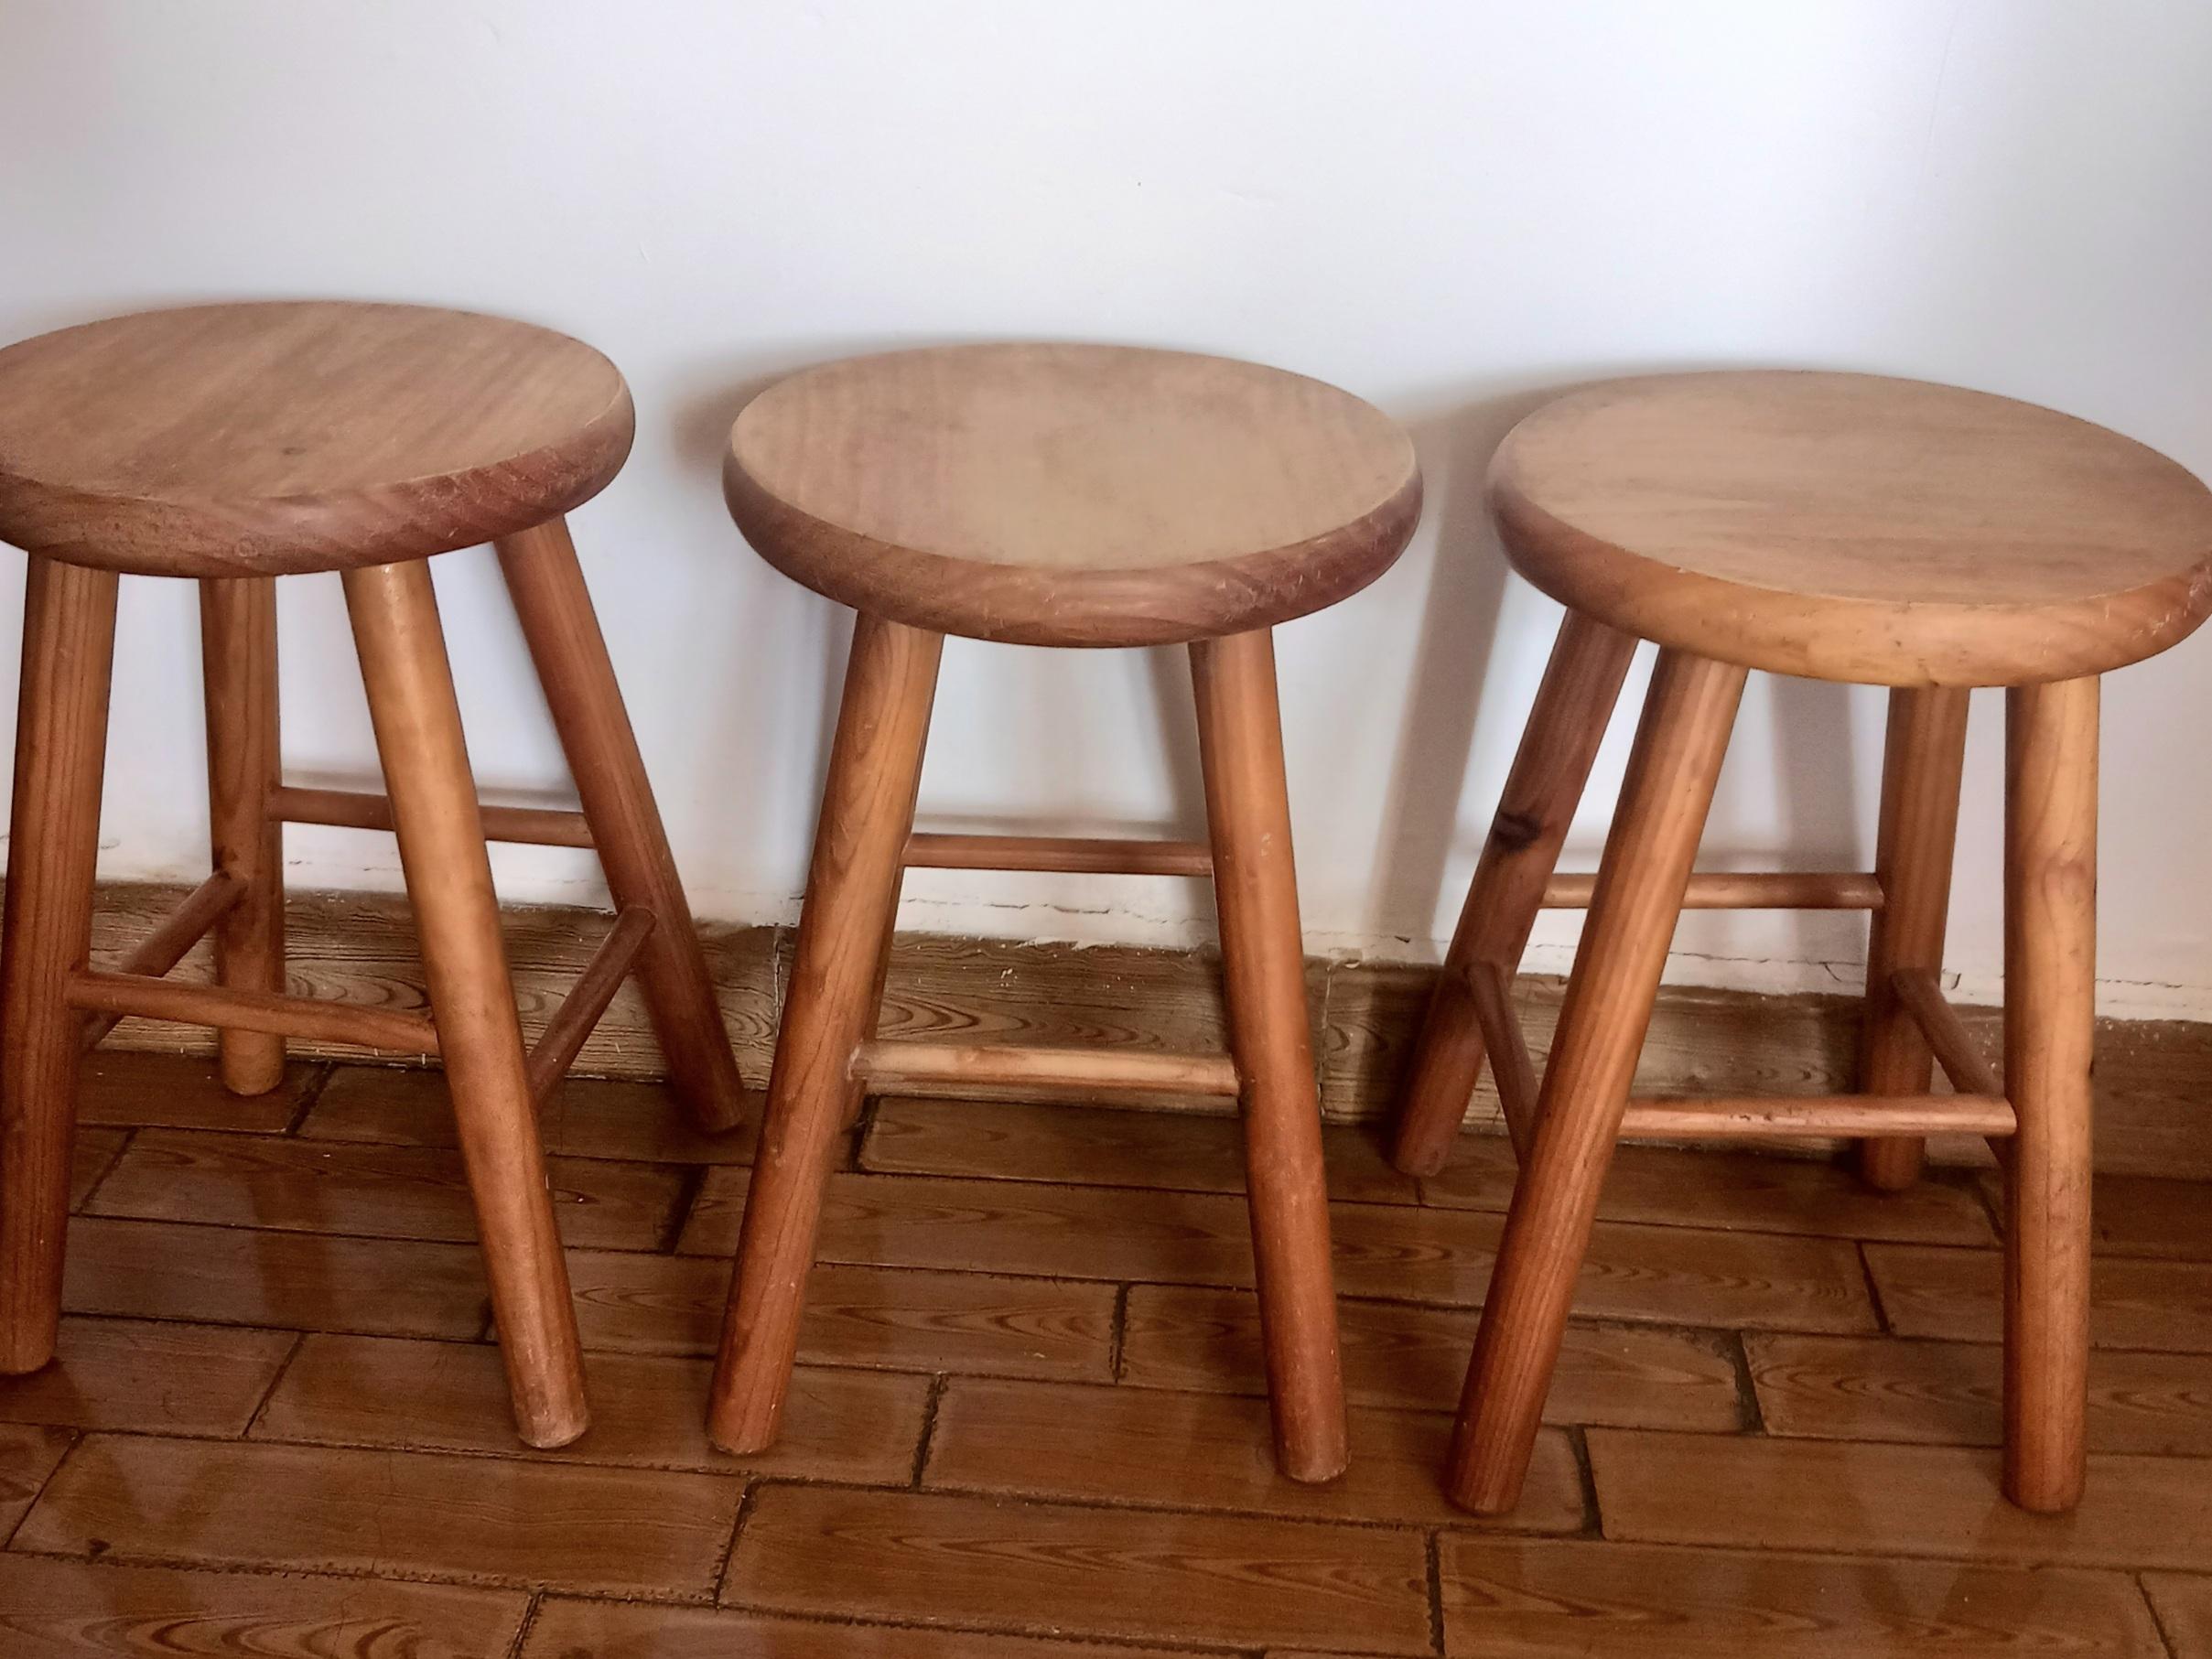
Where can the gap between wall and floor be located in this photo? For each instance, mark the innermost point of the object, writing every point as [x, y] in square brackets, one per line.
[2153, 1077]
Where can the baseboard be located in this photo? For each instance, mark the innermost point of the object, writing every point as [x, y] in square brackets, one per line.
[2154, 1077]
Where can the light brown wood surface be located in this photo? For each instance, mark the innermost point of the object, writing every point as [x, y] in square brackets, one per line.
[2152, 1076]
[2050, 977]
[852, 899]
[245, 763]
[1072, 494]
[1688, 716]
[1240, 747]
[267, 437]
[1580, 684]
[562, 628]
[963, 1561]
[1854, 527]
[1913, 848]
[978, 1450]
[68, 647]
[449, 875]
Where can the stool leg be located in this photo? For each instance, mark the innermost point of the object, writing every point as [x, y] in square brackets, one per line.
[1921, 759]
[69, 646]
[1264, 968]
[1580, 685]
[238, 664]
[1679, 744]
[550, 598]
[852, 900]
[441, 849]
[2050, 991]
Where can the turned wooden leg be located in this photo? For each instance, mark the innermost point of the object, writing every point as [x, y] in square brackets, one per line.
[238, 664]
[449, 874]
[1679, 744]
[68, 647]
[1263, 967]
[2050, 995]
[547, 586]
[852, 900]
[1913, 855]
[1566, 726]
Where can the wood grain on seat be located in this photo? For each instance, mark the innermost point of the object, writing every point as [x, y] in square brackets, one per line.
[1069, 494]
[271, 437]
[1853, 527]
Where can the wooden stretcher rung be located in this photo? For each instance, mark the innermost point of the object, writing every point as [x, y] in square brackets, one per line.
[1953, 1047]
[890, 1064]
[1510, 1066]
[1077, 855]
[169, 944]
[563, 1037]
[208, 1005]
[1772, 890]
[1722, 1117]
[1947, 1039]
[350, 809]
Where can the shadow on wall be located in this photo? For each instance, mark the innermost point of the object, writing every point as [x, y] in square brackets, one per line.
[1451, 656]
[760, 678]
[1804, 798]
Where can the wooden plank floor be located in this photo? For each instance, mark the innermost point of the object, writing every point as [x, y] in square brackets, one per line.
[1029, 1420]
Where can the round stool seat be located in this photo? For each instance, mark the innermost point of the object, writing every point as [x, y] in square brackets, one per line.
[1070, 495]
[1853, 527]
[269, 438]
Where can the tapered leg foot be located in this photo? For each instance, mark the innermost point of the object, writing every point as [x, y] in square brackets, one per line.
[1913, 857]
[1679, 744]
[562, 630]
[69, 642]
[852, 898]
[1580, 685]
[449, 875]
[2050, 992]
[238, 663]
[1264, 967]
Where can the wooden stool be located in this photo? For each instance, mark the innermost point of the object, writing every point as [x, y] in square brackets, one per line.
[236, 443]
[1057, 495]
[1841, 527]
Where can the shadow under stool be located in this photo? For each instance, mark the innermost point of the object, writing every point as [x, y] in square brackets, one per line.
[1060, 496]
[1847, 528]
[235, 444]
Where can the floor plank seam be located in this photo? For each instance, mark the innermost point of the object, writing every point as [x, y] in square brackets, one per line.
[521, 1639]
[1432, 1555]
[1065, 1634]
[859, 1133]
[1022, 1498]
[693, 1183]
[243, 1567]
[1747, 1386]
[857, 1622]
[745, 1500]
[106, 1169]
[2166, 1639]
[923, 1441]
[310, 1092]
[1893, 1556]
[1874, 1289]
[876, 1172]
[397, 1143]
[1578, 1443]
[1118, 1337]
[76, 1439]
[276, 1379]
[565, 1458]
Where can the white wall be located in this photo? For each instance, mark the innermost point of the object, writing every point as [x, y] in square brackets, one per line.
[1448, 207]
